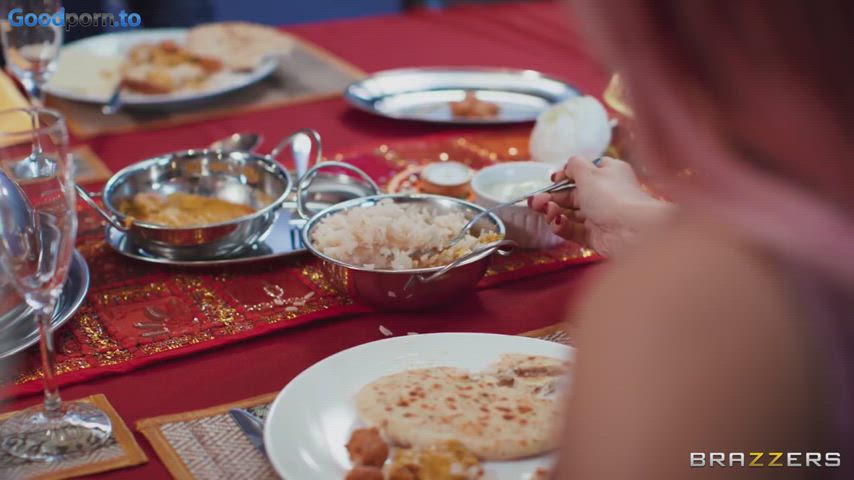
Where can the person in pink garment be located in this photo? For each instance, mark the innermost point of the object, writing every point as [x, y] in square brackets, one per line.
[722, 332]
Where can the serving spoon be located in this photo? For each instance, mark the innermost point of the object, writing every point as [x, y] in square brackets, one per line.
[237, 142]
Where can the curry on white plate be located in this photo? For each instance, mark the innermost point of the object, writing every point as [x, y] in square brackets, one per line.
[423, 407]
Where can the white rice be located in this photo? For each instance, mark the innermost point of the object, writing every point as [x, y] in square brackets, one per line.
[387, 235]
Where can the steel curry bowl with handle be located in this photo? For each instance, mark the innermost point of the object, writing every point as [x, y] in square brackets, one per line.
[409, 289]
[258, 181]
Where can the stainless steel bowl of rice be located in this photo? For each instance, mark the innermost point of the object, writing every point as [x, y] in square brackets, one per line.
[387, 250]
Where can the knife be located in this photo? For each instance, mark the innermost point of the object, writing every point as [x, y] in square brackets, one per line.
[252, 426]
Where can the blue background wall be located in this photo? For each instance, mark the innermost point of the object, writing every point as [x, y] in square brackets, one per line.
[278, 12]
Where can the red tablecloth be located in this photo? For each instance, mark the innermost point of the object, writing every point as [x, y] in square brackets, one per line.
[523, 35]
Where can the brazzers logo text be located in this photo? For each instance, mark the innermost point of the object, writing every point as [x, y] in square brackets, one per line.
[765, 459]
[17, 18]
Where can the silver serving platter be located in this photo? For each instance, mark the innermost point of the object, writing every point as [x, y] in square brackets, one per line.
[18, 329]
[423, 94]
[283, 240]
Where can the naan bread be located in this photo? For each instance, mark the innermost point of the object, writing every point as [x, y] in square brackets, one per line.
[542, 376]
[238, 45]
[495, 419]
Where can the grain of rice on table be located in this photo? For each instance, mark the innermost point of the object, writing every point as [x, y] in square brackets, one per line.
[387, 235]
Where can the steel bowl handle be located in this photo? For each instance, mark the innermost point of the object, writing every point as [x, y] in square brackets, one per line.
[302, 143]
[305, 181]
[108, 216]
[501, 247]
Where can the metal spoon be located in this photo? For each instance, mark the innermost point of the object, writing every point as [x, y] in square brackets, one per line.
[114, 104]
[237, 142]
[557, 187]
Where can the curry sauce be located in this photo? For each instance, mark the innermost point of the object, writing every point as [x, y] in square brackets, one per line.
[181, 209]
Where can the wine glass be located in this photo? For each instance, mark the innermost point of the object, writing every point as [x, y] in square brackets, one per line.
[38, 224]
[31, 51]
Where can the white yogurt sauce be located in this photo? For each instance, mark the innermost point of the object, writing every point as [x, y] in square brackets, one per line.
[504, 192]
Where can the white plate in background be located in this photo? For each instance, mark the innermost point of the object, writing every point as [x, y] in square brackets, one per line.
[88, 69]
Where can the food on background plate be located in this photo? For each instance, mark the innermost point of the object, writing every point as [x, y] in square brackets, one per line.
[166, 67]
[507, 412]
[240, 46]
[473, 107]
[210, 54]
[86, 73]
[180, 209]
[390, 235]
[213, 54]
[578, 126]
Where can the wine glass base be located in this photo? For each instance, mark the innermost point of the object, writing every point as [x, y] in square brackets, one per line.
[80, 428]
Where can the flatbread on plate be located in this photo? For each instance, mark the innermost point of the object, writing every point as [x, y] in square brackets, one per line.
[240, 46]
[494, 417]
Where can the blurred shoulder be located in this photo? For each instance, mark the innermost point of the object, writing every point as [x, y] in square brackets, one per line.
[696, 336]
[700, 297]
[698, 267]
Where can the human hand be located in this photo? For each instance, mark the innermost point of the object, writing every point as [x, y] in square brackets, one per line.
[606, 209]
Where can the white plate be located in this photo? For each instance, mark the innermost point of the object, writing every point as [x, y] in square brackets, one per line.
[312, 417]
[87, 70]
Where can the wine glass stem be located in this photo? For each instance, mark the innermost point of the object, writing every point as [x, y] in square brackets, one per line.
[37, 96]
[33, 86]
[52, 400]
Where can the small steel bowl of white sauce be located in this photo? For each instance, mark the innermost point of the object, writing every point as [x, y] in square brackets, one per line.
[505, 181]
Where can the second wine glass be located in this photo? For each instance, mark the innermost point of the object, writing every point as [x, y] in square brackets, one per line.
[31, 51]
[38, 223]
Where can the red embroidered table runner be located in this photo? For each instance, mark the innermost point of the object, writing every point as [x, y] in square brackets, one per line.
[137, 313]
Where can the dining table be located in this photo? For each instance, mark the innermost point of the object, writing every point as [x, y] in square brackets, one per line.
[537, 35]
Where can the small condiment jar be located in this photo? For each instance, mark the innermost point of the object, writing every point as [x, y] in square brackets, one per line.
[446, 178]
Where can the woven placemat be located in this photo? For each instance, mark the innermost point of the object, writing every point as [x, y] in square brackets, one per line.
[121, 451]
[308, 73]
[207, 444]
